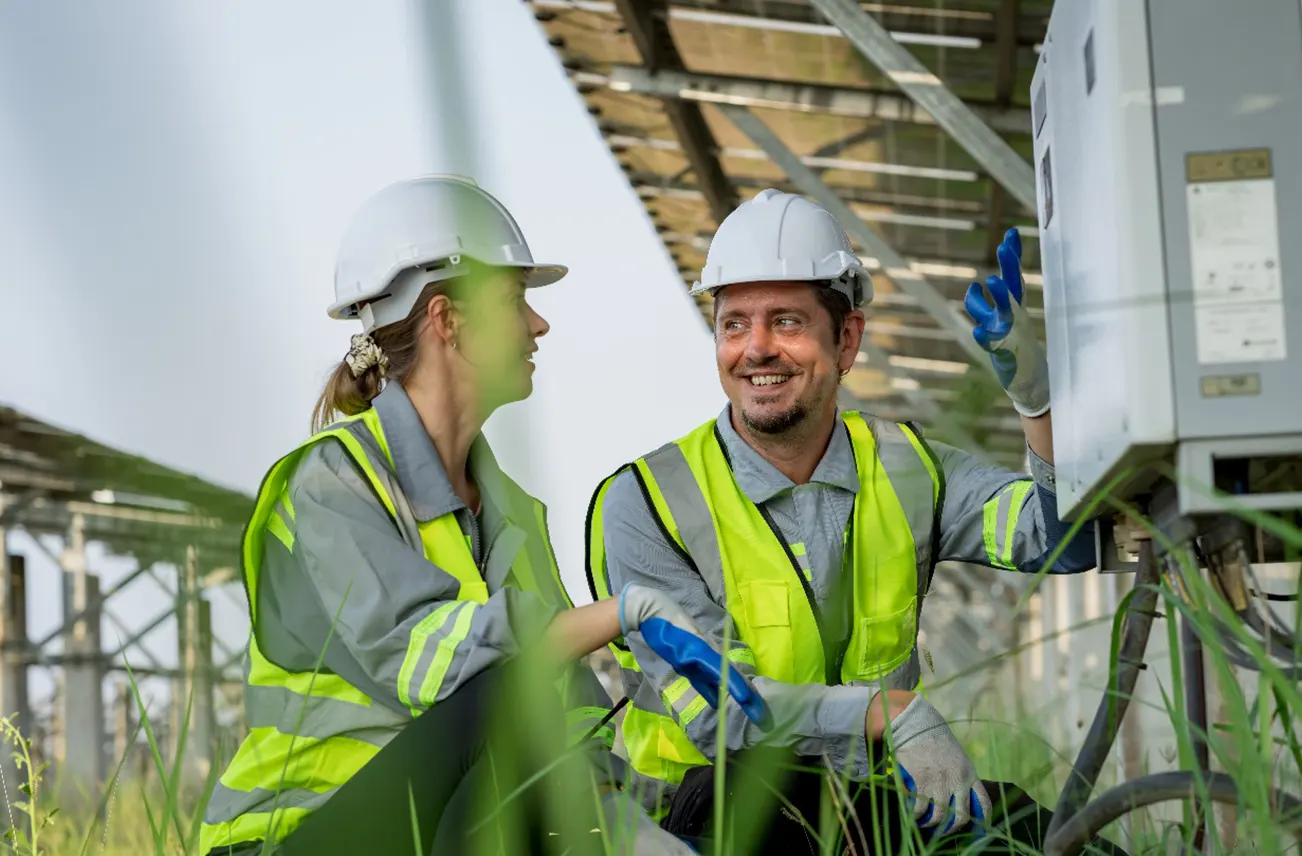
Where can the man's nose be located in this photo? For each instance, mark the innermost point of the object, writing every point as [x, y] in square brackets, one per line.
[759, 344]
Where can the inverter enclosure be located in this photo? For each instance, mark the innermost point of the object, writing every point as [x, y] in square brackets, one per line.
[1166, 141]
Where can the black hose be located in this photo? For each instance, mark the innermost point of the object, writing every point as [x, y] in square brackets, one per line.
[1072, 836]
[1195, 705]
[1112, 708]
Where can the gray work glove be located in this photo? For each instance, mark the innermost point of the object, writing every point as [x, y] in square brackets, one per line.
[637, 603]
[1008, 334]
[934, 766]
[633, 833]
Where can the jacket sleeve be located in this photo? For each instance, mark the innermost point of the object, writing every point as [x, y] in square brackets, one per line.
[814, 718]
[1003, 519]
[396, 616]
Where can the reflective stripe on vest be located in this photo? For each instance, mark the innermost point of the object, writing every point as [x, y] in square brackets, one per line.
[746, 565]
[310, 732]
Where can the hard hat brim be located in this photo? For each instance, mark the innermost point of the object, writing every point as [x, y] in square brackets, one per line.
[865, 278]
[540, 275]
[536, 276]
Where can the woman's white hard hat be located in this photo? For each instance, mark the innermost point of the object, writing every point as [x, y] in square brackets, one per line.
[424, 230]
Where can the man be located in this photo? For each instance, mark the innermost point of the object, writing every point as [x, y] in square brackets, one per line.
[808, 536]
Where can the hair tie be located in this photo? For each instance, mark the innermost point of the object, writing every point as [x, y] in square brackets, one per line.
[364, 354]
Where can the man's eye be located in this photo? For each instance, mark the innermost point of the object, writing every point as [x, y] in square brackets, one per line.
[788, 323]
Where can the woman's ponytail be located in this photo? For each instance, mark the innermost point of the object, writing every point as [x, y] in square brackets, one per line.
[386, 354]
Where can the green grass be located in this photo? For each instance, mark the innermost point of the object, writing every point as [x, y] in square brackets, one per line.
[1257, 741]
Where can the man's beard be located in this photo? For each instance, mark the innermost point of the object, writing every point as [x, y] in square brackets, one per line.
[778, 423]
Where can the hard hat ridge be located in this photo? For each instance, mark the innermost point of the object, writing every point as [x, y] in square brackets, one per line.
[782, 237]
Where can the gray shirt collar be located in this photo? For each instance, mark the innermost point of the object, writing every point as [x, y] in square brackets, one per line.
[420, 471]
[760, 481]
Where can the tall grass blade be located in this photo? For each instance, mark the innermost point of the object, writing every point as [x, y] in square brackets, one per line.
[160, 829]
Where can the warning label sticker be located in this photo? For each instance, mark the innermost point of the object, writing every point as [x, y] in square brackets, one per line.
[1237, 287]
[1240, 334]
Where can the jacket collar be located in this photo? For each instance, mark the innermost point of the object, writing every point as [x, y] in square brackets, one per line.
[760, 481]
[420, 471]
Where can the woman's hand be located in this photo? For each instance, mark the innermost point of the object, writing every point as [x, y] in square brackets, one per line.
[638, 603]
[577, 632]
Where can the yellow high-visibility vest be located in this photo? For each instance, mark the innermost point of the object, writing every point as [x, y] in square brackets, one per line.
[277, 778]
[890, 541]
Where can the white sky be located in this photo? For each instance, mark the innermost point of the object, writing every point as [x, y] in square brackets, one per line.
[176, 177]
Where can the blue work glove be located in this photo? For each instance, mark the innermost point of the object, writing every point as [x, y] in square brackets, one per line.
[1005, 331]
[673, 635]
[935, 769]
[695, 659]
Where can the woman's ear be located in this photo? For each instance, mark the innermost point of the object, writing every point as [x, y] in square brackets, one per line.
[443, 318]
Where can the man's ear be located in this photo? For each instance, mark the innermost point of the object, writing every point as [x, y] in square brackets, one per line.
[851, 339]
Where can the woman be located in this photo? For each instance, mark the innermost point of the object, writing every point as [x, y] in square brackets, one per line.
[391, 566]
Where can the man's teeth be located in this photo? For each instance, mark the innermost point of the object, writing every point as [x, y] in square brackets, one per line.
[769, 380]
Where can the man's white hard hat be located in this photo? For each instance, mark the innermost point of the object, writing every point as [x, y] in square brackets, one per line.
[419, 231]
[781, 237]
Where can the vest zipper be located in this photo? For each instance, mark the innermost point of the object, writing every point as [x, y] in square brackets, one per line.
[477, 547]
[829, 676]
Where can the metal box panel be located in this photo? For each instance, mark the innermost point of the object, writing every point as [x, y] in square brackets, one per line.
[1170, 216]
[1101, 245]
[1220, 116]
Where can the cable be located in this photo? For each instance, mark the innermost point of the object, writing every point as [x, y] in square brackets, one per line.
[1071, 837]
[1263, 609]
[1224, 635]
[1278, 598]
[605, 719]
[1140, 605]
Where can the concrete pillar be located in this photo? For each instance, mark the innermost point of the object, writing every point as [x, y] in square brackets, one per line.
[124, 723]
[193, 685]
[83, 691]
[203, 726]
[13, 660]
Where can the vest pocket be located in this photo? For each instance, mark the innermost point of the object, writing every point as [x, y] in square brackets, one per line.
[768, 627]
[767, 603]
[885, 641]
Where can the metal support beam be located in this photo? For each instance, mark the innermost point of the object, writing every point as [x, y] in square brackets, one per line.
[909, 24]
[919, 399]
[877, 45]
[140, 634]
[1005, 82]
[920, 211]
[114, 589]
[896, 267]
[628, 136]
[645, 22]
[123, 628]
[777, 95]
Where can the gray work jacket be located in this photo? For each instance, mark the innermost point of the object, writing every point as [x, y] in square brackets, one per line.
[825, 719]
[352, 568]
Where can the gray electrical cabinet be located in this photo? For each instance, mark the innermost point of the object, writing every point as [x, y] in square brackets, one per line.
[1168, 157]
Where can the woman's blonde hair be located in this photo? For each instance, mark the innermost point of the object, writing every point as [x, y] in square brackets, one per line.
[349, 394]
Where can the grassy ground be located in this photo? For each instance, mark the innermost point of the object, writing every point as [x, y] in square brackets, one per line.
[1255, 740]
